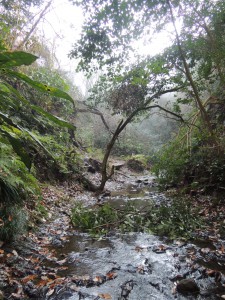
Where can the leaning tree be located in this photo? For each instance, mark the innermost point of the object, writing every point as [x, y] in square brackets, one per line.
[193, 64]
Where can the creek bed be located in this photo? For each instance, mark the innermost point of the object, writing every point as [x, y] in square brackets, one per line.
[136, 266]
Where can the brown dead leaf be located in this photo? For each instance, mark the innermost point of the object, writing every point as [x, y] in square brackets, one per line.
[162, 247]
[97, 279]
[139, 248]
[2, 251]
[35, 260]
[222, 249]
[45, 281]
[140, 269]
[111, 275]
[28, 278]
[105, 296]
[210, 272]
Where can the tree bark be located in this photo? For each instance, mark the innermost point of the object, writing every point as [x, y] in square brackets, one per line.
[120, 128]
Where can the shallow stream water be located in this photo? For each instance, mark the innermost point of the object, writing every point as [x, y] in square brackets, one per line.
[134, 266]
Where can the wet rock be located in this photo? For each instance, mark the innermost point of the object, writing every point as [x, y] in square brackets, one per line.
[91, 169]
[56, 242]
[95, 164]
[138, 181]
[131, 269]
[155, 284]
[126, 289]
[118, 166]
[135, 165]
[187, 286]
[60, 293]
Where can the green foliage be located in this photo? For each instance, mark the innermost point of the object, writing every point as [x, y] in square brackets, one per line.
[17, 187]
[198, 167]
[94, 221]
[21, 146]
[15, 176]
[170, 162]
[61, 162]
[175, 219]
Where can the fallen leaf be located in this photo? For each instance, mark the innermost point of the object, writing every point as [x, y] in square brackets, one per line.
[18, 294]
[28, 278]
[62, 268]
[205, 250]
[139, 248]
[210, 272]
[15, 253]
[61, 262]
[44, 282]
[98, 279]
[50, 292]
[140, 269]
[111, 275]
[34, 260]
[105, 296]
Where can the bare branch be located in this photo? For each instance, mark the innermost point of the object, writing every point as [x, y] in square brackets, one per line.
[164, 109]
[26, 38]
[96, 112]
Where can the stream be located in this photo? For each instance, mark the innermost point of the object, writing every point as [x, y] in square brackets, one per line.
[137, 266]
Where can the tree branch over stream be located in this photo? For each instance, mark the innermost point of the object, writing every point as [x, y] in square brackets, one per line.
[120, 127]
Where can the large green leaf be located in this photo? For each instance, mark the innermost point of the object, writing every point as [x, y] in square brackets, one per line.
[39, 143]
[53, 118]
[16, 142]
[17, 58]
[42, 87]
[7, 88]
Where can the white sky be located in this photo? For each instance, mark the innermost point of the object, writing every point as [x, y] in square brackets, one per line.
[62, 27]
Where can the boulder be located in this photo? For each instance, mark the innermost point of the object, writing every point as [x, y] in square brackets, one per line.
[186, 286]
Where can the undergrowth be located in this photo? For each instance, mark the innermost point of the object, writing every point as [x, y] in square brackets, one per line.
[174, 219]
[17, 189]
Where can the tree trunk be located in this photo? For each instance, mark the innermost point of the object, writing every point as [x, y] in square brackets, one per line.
[201, 107]
[26, 38]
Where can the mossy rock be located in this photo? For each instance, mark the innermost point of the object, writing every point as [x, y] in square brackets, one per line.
[135, 165]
